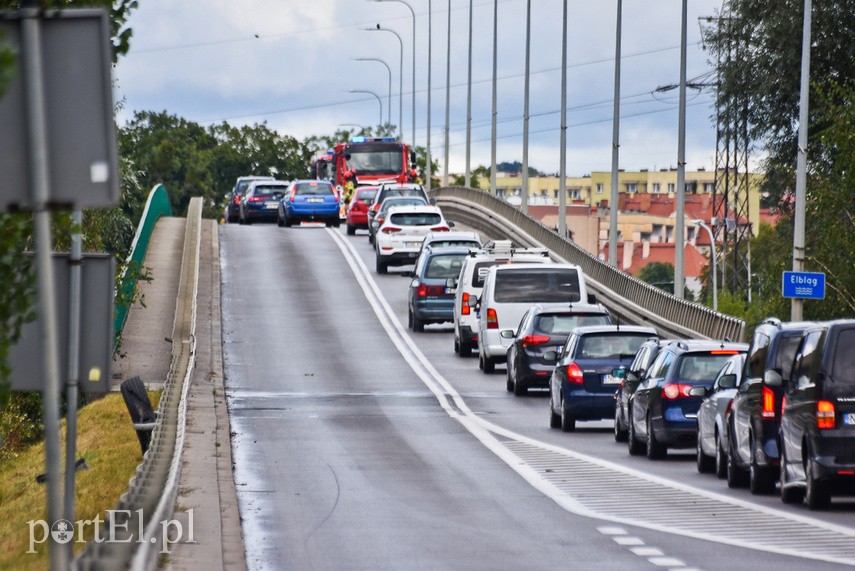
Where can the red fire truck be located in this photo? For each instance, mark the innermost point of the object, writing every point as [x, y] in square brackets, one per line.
[366, 161]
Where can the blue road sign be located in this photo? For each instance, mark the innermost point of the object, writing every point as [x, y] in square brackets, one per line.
[803, 285]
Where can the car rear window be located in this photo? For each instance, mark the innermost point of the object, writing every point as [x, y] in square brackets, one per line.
[787, 348]
[610, 345]
[313, 188]
[365, 194]
[403, 192]
[480, 272]
[537, 286]
[564, 323]
[444, 266]
[701, 367]
[414, 201]
[268, 190]
[454, 244]
[843, 365]
[415, 218]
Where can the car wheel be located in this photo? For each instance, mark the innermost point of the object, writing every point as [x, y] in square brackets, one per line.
[635, 446]
[554, 419]
[371, 239]
[655, 450]
[464, 348]
[816, 492]
[286, 222]
[509, 384]
[418, 324]
[487, 365]
[735, 475]
[351, 230]
[706, 464]
[520, 388]
[720, 459]
[621, 433]
[760, 479]
[336, 223]
[568, 423]
[379, 265]
[789, 494]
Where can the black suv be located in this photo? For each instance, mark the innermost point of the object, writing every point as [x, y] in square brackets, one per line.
[755, 415]
[818, 420]
[631, 377]
[545, 327]
[662, 412]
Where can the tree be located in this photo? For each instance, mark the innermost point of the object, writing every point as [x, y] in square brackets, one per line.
[658, 274]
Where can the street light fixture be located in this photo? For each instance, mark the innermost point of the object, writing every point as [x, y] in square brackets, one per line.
[389, 69]
[703, 225]
[402, 60]
[380, 101]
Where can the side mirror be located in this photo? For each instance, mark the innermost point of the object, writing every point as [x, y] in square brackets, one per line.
[450, 224]
[432, 202]
[592, 299]
[773, 378]
[473, 301]
[507, 334]
[698, 391]
[550, 356]
[727, 381]
[411, 274]
[632, 377]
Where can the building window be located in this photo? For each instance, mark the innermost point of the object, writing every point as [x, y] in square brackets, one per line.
[632, 187]
[657, 188]
[671, 187]
[573, 194]
[709, 187]
[555, 194]
[599, 188]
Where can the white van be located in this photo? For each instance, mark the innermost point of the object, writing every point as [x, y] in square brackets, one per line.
[471, 282]
[510, 290]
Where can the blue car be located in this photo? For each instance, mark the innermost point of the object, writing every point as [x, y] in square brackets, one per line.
[312, 201]
[261, 201]
[431, 294]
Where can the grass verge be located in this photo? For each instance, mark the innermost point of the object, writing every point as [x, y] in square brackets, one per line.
[108, 443]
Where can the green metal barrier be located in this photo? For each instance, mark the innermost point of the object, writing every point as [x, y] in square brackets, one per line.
[156, 206]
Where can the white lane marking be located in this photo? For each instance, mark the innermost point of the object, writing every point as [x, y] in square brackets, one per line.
[666, 562]
[605, 530]
[628, 540]
[486, 431]
[647, 551]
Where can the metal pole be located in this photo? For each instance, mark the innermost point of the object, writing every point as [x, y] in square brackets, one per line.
[797, 305]
[679, 230]
[447, 96]
[428, 173]
[493, 189]
[380, 101]
[388, 69]
[524, 198]
[468, 174]
[713, 257]
[31, 59]
[75, 261]
[562, 161]
[402, 67]
[615, 197]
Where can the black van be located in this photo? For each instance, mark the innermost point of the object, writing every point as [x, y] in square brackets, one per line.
[818, 419]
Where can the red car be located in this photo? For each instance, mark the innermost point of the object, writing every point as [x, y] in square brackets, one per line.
[357, 210]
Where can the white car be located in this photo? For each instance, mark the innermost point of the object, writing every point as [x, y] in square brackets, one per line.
[399, 238]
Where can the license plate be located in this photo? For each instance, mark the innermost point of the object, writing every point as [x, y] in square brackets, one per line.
[849, 418]
[314, 200]
[609, 379]
[413, 244]
[271, 205]
[451, 290]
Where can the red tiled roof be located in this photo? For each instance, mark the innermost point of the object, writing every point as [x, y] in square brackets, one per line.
[693, 260]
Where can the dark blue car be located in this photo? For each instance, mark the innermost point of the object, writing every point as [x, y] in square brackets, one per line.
[311, 201]
[582, 386]
[261, 201]
[431, 293]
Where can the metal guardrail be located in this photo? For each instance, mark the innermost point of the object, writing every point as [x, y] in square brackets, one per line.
[151, 494]
[156, 205]
[626, 297]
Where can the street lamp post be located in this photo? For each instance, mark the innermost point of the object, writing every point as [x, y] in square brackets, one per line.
[447, 96]
[380, 101]
[414, 60]
[400, 81]
[389, 69]
[703, 225]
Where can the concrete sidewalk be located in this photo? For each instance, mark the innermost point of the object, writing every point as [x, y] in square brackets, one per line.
[206, 484]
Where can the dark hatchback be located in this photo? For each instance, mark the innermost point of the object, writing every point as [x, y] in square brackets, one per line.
[232, 211]
[631, 376]
[755, 415]
[431, 293]
[662, 412]
[818, 420]
[582, 384]
[545, 327]
[261, 201]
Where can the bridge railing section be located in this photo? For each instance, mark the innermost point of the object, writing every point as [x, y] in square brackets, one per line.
[626, 297]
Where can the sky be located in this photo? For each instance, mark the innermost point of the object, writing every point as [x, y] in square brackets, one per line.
[292, 65]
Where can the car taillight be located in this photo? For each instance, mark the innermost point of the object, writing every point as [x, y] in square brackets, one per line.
[676, 391]
[768, 403]
[825, 414]
[531, 340]
[492, 319]
[379, 220]
[291, 198]
[237, 199]
[441, 229]
[464, 308]
[574, 374]
[426, 290]
[390, 230]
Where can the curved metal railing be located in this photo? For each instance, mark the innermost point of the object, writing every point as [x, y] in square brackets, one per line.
[626, 297]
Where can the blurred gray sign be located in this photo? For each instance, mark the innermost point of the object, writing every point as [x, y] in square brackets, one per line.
[81, 135]
[96, 329]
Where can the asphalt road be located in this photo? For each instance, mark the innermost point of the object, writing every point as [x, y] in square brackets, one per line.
[358, 444]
